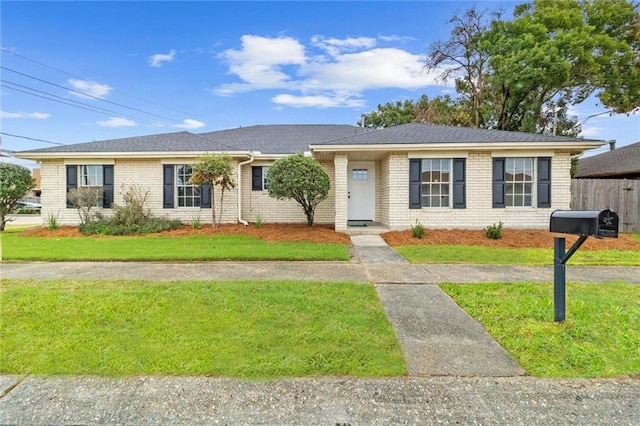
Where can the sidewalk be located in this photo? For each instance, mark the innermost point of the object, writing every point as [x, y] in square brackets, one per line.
[457, 372]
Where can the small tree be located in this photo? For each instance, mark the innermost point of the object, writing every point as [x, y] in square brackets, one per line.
[15, 182]
[299, 178]
[84, 199]
[214, 170]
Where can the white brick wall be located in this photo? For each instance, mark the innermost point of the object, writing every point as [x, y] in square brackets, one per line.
[392, 195]
[255, 203]
[147, 174]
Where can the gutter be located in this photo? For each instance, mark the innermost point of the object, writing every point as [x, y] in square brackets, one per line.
[249, 161]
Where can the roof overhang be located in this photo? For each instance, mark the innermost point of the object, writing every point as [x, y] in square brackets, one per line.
[578, 146]
[143, 155]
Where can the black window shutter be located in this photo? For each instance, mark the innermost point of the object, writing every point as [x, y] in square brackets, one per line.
[498, 182]
[415, 183]
[544, 182]
[256, 178]
[72, 180]
[205, 196]
[107, 186]
[459, 184]
[167, 186]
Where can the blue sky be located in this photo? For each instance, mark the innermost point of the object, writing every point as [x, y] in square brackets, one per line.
[156, 67]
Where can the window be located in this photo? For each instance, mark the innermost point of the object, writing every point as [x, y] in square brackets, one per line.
[92, 175]
[515, 183]
[360, 174]
[259, 178]
[437, 182]
[177, 192]
[187, 195]
[518, 181]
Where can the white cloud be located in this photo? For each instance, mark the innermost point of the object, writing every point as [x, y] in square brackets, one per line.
[36, 115]
[330, 72]
[190, 124]
[159, 58]
[117, 122]
[89, 88]
[590, 131]
[320, 101]
[336, 46]
[260, 61]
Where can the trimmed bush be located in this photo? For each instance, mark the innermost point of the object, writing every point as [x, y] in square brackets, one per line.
[494, 231]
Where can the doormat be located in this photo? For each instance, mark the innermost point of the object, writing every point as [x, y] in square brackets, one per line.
[361, 224]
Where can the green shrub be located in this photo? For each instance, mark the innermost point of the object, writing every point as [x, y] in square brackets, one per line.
[109, 226]
[195, 222]
[133, 218]
[259, 221]
[494, 231]
[53, 222]
[417, 230]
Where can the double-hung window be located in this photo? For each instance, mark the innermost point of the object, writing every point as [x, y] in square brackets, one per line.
[521, 182]
[178, 192]
[437, 182]
[92, 176]
[188, 195]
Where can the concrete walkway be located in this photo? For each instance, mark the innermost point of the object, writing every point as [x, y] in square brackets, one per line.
[437, 337]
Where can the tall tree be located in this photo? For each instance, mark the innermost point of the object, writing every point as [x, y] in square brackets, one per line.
[464, 57]
[442, 110]
[15, 182]
[215, 170]
[554, 53]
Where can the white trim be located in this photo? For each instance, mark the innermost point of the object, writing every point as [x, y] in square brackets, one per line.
[438, 154]
[90, 162]
[462, 146]
[522, 153]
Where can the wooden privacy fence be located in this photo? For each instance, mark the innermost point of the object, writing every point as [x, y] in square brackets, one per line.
[619, 195]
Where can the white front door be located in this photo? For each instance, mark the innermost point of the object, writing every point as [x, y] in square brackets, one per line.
[361, 190]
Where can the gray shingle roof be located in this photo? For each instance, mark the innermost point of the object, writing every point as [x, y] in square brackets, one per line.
[283, 138]
[268, 139]
[624, 161]
[170, 142]
[414, 133]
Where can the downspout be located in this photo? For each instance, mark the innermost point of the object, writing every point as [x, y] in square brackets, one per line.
[249, 161]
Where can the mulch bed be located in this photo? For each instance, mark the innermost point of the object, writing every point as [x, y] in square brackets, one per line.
[534, 238]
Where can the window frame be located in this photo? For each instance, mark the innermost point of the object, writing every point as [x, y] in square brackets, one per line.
[510, 197]
[457, 182]
[431, 184]
[180, 181]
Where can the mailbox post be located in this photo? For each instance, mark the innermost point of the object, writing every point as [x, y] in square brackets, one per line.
[585, 223]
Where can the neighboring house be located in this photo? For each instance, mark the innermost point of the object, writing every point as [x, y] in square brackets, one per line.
[444, 177]
[621, 163]
[610, 180]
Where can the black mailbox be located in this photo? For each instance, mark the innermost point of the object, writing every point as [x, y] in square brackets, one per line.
[591, 223]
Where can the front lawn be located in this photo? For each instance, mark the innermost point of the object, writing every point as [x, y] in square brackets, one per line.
[16, 247]
[513, 255]
[243, 329]
[600, 337]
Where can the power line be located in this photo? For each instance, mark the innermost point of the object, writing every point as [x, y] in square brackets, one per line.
[82, 78]
[88, 108]
[31, 139]
[70, 102]
[87, 95]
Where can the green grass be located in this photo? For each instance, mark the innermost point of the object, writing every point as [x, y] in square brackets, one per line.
[234, 329]
[156, 248]
[514, 256]
[600, 337]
